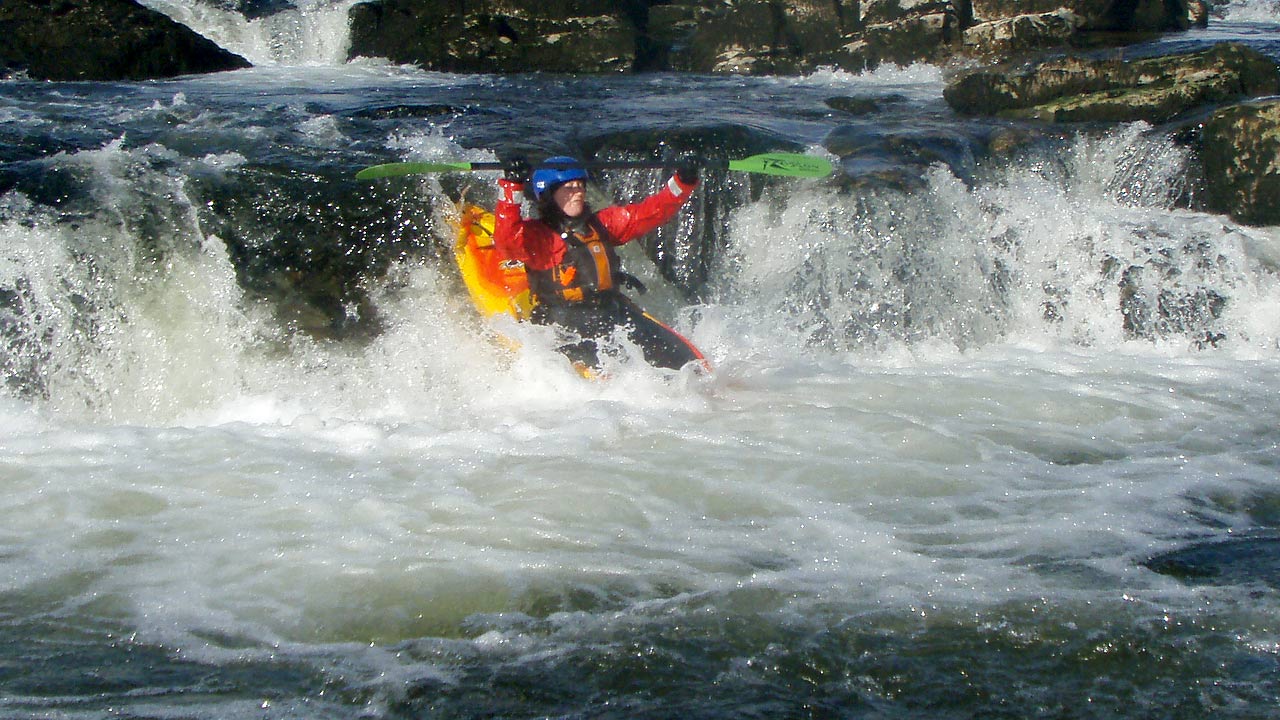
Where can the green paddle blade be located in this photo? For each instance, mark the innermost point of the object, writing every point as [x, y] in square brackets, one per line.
[785, 164]
[410, 168]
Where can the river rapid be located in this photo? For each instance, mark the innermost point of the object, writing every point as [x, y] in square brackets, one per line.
[985, 438]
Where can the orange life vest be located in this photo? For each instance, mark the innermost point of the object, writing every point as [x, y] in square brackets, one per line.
[589, 267]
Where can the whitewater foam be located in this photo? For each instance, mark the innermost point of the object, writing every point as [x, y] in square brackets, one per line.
[304, 32]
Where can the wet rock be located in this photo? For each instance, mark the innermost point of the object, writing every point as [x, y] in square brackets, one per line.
[1235, 561]
[256, 9]
[863, 105]
[1197, 13]
[886, 11]
[310, 243]
[586, 36]
[917, 38]
[590, 36]
[1022, 33]
[1152, 311]
[733, 36]
[1075, 89]
[102, 40]
[1239, 150]
[873, 155]
[403, 111]
[762, 36]
[1128, 15]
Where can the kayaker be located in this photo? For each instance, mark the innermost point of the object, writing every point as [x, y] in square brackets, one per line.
[568, 253]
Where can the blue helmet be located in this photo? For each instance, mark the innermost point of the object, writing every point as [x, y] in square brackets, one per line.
[565, 169]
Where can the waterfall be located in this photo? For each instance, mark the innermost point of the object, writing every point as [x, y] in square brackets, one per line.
[269, 32]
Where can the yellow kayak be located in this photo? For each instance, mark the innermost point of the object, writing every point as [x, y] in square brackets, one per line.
[496, 285]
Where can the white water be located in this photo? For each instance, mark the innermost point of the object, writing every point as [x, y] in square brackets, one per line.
[309, 32]
[890, 440]
[1248, 11]
[213, 479]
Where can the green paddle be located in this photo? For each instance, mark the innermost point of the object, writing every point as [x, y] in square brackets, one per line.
[783, 164]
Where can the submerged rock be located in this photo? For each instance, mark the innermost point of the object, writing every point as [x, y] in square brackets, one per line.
[874, 155]
[1236, 561]
[1075, 89]
[863, 105]
[102, 40]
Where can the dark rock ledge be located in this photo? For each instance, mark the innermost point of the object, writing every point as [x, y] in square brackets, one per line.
[120, 39]
[102, 40]
[740, 36]
[1075, 89]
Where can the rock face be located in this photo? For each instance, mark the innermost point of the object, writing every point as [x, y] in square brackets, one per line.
[1240, 152]
[591, 36]
[749, 36]
[1122, 15]
[1074, 89]
[734, 36]
[102, 40]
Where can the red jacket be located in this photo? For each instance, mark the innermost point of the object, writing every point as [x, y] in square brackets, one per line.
[535, 244]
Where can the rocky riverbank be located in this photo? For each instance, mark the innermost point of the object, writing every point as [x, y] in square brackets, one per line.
[102, 40]
[742, 36]
[1209, 98]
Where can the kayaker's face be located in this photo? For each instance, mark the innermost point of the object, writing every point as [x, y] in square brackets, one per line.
[571, 197]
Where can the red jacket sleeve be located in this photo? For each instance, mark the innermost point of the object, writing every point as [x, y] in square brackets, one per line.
[540, 248]
[529, 241]
[628, 222]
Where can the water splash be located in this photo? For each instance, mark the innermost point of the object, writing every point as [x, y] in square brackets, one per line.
[1248, 11]
[426, 518]
[1085, 246]
[301, 32]
[124, 308]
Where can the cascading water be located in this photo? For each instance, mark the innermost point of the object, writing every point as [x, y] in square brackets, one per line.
[269, 32]
[991, 436]
[1084, 246]
[1248, 11]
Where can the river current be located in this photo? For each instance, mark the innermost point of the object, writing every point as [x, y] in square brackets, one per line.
[985, 437]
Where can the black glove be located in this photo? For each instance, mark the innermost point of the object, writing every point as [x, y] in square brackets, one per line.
[516, 169]
[687, 169]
